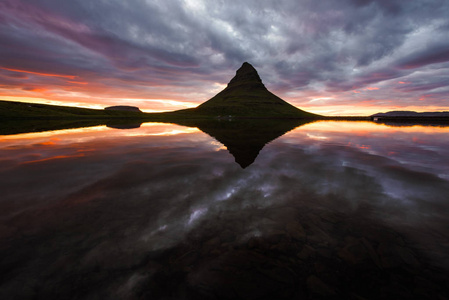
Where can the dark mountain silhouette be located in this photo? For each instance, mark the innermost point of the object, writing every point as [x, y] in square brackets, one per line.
[410, 118]
[247, 96]
[123, 108]
[408, 113]
[245, 138]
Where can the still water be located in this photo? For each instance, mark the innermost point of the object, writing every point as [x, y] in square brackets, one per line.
[351, 210]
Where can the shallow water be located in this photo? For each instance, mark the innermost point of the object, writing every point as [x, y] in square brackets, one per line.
[351, 210]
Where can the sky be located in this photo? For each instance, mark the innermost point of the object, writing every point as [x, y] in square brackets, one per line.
[347, 57]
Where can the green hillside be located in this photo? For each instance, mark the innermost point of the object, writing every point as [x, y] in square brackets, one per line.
[16, 110]
[247, 96]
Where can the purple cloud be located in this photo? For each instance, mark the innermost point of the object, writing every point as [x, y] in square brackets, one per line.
[312, 47]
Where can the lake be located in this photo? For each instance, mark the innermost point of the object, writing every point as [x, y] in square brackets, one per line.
[226, 210]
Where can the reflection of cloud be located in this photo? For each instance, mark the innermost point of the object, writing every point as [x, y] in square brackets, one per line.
[175, 131]
[54, 157]
[316, 137]
[419, 159]
[218, 146]
[196, 214]
[132, 197]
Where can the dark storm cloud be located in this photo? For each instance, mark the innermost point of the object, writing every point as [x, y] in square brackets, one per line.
[433, 55]
[296, 45]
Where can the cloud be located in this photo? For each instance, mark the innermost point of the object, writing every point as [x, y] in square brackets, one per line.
[311, 47]
[433, 55]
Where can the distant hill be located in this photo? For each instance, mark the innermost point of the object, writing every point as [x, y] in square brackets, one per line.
[123, 108]
[21, 117]
[22, 110]
[407, 113]
[246, 96]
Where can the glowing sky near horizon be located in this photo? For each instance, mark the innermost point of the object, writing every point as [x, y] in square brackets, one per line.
[350, 57]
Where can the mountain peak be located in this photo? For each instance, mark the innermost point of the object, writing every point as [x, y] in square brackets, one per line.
[247, 96]
[246, 74]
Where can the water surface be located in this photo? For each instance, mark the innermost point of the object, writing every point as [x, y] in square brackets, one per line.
[327, 210]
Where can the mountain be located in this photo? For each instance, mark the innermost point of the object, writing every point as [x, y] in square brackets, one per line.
[407, 113]
[246, 96]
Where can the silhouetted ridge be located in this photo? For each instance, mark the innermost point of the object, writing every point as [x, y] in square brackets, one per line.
[407, 113]
[246, 96]
[123, 108]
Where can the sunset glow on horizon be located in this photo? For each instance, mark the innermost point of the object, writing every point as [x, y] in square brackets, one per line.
[327, 58]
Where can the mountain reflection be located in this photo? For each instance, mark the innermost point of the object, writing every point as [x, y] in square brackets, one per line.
[244, 139]
[132, 125]
[334, 210]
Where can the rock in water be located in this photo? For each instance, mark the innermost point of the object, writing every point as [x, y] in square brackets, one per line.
[247, 96]
[123, 108]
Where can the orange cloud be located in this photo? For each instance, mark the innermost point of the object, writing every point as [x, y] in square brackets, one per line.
[371, 88]
[77, 82]
[40, 74]
[365, 147]
[36, 89]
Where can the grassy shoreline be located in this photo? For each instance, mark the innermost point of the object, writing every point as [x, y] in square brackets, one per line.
[25, 111]
[22, 117]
